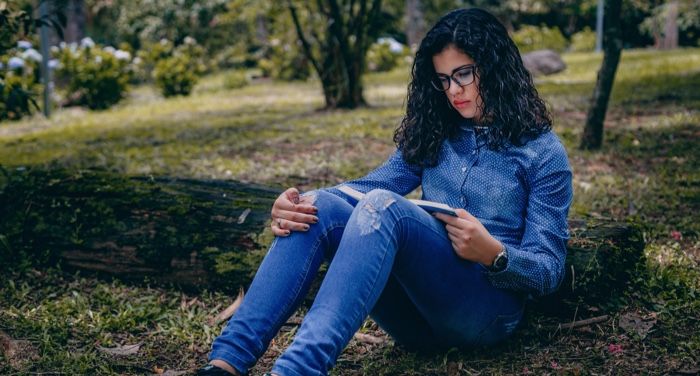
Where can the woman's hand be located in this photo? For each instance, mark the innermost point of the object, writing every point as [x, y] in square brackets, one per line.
[292, 212]
[470, 239]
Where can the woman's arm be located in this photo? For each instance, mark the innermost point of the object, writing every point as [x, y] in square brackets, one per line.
[537, 265]
[395, 175]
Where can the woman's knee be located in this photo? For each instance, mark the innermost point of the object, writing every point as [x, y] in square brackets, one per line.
[331, 208]
[379, 207]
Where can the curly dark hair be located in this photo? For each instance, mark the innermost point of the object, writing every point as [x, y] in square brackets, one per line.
[512, 110]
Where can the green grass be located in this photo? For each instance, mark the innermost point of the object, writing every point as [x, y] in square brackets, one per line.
[272, 133]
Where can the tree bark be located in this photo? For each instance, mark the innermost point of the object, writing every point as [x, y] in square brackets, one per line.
[415, 23]
[75, 21]
[340, 59]
[670, 39]
[213, 234]
[592, 137]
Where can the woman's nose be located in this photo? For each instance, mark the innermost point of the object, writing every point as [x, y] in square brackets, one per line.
[455, 89]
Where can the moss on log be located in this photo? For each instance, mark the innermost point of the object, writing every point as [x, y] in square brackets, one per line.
[210, 234]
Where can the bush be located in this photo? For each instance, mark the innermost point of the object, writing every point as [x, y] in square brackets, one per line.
[93, 77]
[285, 62]
[178, 70]
[19, 81]
[385, 55]
[175, 76]
[531, 38]
[583, 41]
[236, 79]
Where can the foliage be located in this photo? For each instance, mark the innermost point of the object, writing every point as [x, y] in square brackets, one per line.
[178, 73]
[147, 58]
[583, 41]
[531, 38]
[141, 23]
[647, 172]
[19, 81]
[17, 84]
[385, 55]
[285, 62]
[94, 77]
[236, 79]
[688, 21]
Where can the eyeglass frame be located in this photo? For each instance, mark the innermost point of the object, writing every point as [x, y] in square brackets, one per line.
[451, 77]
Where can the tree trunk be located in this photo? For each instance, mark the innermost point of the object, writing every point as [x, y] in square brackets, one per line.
[670, 39]
[75, 21]
[340, 62]
[612, 47]
[213, 234]
[415, 23]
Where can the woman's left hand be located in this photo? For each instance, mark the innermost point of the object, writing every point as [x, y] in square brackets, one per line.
[470, 239]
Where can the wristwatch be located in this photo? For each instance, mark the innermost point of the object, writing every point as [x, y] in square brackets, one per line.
[500, 262]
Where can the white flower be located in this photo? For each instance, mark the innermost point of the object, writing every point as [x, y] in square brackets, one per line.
[55, 49]
[15, 63]
[54, 64]
[62, 45]
[164, 41]
[87, 42]
[32, 54]
[137, 60]
[23, 44]
[98, 59]
[190, 40]
[122, 55]
[109, 49]
[394, 45]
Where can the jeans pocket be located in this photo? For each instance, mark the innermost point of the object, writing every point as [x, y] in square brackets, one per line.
[500, 328]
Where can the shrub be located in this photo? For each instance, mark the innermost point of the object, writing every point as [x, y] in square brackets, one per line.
[19, 81]
[178, 70]
[175, 76]
[531, 38]
[147, 58]
[583, 41]
[285, 62]
[385, 55]
[93, 77]
[236, 79]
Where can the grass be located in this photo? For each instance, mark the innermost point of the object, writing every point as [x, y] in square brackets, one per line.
[272, 133]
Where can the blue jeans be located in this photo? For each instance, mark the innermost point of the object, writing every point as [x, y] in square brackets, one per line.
[390, 260]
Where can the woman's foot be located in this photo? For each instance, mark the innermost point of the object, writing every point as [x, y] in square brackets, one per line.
[217, 368]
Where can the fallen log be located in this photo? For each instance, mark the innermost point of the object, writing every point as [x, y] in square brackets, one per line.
[211, 234]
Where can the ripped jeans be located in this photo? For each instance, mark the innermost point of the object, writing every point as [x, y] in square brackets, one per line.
[388, 259]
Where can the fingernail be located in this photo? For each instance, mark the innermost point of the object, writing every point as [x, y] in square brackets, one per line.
[315, 220]
[306, 227]
[286, 232]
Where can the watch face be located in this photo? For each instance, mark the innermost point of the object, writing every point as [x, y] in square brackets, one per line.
[500, 263]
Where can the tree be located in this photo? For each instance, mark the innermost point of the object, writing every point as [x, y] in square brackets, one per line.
[612, 47]
[415, 23]
[335, 37]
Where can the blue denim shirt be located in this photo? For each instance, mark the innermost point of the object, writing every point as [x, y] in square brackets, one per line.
[520, 194]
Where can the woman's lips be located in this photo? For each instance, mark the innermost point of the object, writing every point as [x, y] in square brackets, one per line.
[460, 104]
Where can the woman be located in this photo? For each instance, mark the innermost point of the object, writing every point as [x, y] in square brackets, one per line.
[477, 137]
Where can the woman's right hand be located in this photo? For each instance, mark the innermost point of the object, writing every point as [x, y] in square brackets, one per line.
[292, 212]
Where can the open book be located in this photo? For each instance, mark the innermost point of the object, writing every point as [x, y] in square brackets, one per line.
[429, 206]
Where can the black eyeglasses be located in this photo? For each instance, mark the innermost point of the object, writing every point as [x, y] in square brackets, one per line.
[462, 76]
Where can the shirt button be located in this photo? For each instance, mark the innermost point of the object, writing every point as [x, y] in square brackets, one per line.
[473, 151]
[462, 200]
[464, 169]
